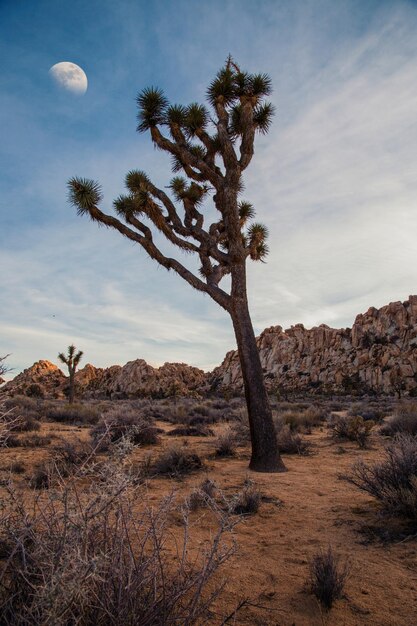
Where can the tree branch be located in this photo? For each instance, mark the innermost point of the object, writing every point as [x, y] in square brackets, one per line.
[228, 151]
[186, 157]
[248, 136]
[220, 296]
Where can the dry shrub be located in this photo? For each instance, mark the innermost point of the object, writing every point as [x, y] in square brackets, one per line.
[21, 402]
[73, 414]
[175, 462]
[290, 442]
[26, 422]
[90, 559]
[7, 422]
[191, 431]
[203, 495]
[30, 441]
[208, 487]
[125, 423]
[404, 420]
[247, 501]
[393, 481]
[226, 444]
[202, 420]
[347, 428]
[306, 419]
[368, 411]
[16, 467]
[35, 390]
[42, 476]
[327, 577]
[18, 419]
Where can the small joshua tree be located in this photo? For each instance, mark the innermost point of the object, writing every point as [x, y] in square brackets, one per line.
[212, 148]
[71, 360]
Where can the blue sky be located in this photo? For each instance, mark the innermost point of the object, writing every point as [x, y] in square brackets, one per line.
[334, 180]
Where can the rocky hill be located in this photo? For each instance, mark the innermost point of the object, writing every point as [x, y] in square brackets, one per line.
[135, 379]
[42, 377]
[138, 378]
[379, 353]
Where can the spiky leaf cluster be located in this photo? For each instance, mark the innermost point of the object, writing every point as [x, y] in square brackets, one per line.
[84, 194]
[71, 358]
[152, 108]
[231, 85]
[256, 237]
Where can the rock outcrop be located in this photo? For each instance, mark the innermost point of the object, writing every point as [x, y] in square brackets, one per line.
[138, 378]
[135, 379]
[42, 378]
[379, 353]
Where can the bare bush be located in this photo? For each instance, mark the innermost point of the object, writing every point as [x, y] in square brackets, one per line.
[176, 461]
[372, 412]
[30, 441]
[90, 559]
[16, 467]
[20, 418]
[226, 444]
[21, 402]
[290, 442]
[327, 577]
[73, 414]
[7, 424]
[305, 419]
[203, 495]
[125, 423]
[35, 390]
[42, 476]
[404, 420]
[247, 501]
[208, 487]
[347, 428]
[393, 481]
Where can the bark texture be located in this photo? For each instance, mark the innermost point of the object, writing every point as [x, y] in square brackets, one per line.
[265, 455]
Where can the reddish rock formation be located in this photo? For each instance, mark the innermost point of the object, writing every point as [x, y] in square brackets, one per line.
[45, 374]
[138, 378]
[379, 353]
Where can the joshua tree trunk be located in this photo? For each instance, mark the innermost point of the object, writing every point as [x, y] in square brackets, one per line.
[265, 455]
[71, 387]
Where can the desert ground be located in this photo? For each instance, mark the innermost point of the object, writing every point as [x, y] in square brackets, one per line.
[267, 550]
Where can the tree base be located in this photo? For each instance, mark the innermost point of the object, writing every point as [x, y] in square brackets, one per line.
[267, 466]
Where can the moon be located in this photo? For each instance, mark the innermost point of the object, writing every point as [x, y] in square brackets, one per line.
[70, 77]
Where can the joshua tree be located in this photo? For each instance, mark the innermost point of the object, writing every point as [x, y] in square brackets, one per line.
[71, 360]
[212, 149]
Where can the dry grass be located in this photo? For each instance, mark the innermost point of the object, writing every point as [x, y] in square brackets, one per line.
[327, 577]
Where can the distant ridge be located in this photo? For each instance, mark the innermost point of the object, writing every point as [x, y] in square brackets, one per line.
[377, 355]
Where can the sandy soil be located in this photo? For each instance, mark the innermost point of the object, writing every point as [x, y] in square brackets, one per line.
[308, 508]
